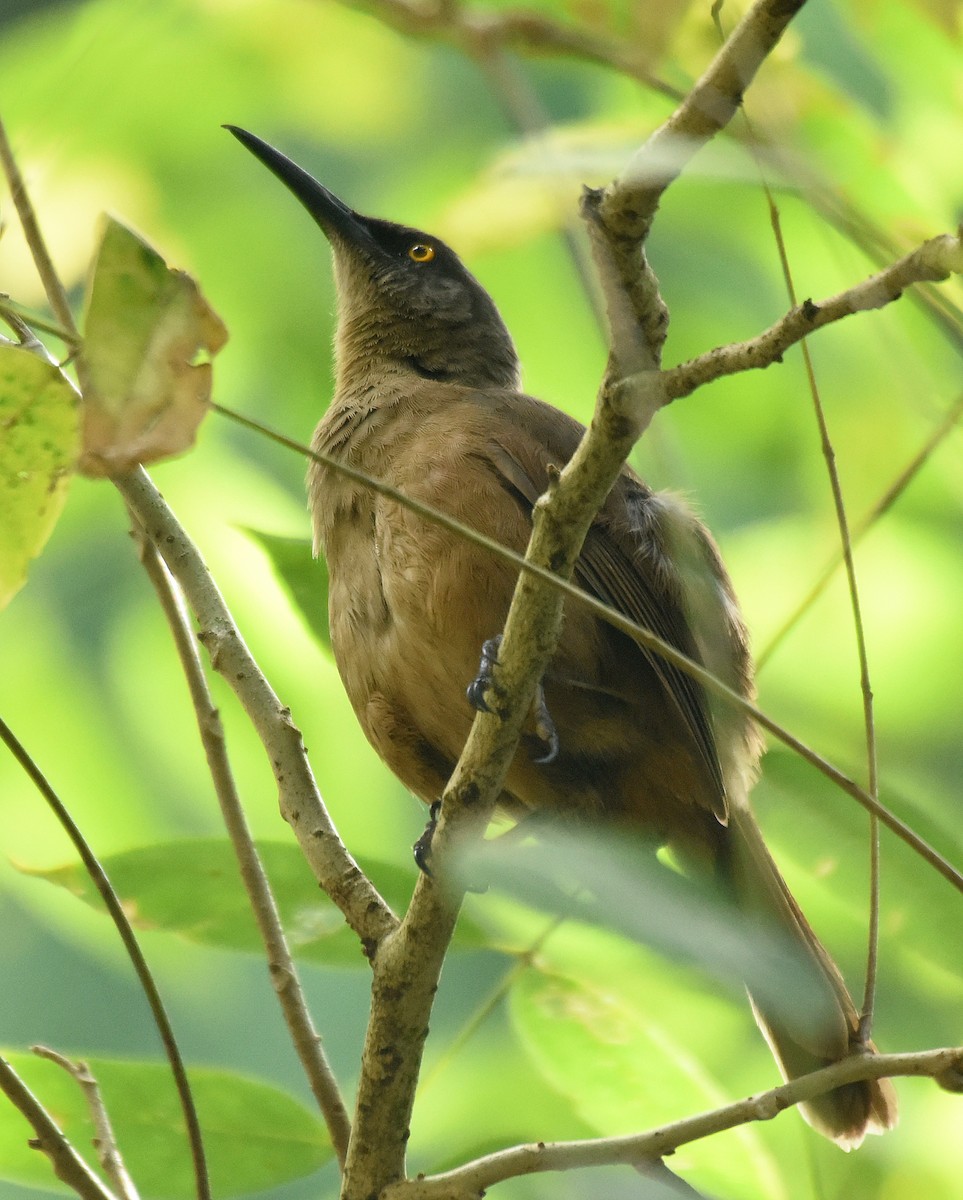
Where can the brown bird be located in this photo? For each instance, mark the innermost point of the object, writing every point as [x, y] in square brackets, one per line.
[428, 399]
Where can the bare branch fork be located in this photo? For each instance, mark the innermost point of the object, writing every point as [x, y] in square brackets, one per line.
[281, 965]
[301, 804]
[67, 1164]
[108, 1152]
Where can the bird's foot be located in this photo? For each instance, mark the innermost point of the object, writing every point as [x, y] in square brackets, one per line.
[485, 679]
[422, 847]
[422, 850]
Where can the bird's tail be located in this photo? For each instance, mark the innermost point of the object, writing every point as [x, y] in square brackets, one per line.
[799, 997]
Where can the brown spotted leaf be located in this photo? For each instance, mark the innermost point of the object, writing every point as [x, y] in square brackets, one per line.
[149, 336]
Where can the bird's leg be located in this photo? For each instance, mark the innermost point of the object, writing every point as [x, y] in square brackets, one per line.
[545, 729]
[485, 678]
[544, 726]
[422, 847]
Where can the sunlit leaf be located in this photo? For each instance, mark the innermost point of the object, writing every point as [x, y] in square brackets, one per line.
[193, 888]
[304, 577]
[627, 1072]
[39, 441]
[255, 1135]
[149, 334]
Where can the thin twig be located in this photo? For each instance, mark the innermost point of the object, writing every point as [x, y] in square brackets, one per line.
[523, 962]
[281, 965]
[846, 546]
[56, 293]
[300, 801]
[108, 1152]
[638, 633]
[13, 312]
[935, 259]
[950, 420]
[520, 105]
[115, 909]
[859, 630]
[469, 1182]
[67, 1164]
[475, 30]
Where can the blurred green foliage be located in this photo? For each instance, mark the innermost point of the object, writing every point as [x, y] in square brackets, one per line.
[116, 105]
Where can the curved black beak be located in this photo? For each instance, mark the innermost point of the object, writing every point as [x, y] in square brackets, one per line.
[333, 215]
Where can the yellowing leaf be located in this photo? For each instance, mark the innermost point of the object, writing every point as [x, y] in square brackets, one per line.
[147, 327]
[39, 443]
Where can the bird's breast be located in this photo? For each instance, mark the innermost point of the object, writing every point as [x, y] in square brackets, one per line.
[410, 601]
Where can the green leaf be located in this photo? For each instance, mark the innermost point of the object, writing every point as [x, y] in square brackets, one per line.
[193, 887]
[39, 443]
[255, 1135]
[145, 391]
[824, 855]
[627, 1070]
[304, 577]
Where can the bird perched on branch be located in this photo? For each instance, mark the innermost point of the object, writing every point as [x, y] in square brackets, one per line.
[428, 400]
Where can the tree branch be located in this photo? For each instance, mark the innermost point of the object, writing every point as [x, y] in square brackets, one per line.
[280, 963]
[108, 1152]
[407, 964]
[67, 1164]
[862, 652]
[629, 204]
[478, 31]
[625, 209]
[300, 801]
[347, 880]
[115, 910]
[950, 420]
[470, 1181]
[56, 293]
[934, 260]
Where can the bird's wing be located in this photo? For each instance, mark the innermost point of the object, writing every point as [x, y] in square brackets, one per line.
[624, 561]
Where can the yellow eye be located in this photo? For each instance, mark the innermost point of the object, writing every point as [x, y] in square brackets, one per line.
[421, 252]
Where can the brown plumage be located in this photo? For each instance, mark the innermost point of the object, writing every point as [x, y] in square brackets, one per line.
[428, 400]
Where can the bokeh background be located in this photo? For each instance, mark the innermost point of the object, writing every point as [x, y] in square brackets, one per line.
[116, 105]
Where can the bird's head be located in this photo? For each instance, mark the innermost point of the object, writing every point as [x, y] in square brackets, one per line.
[405, 299]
